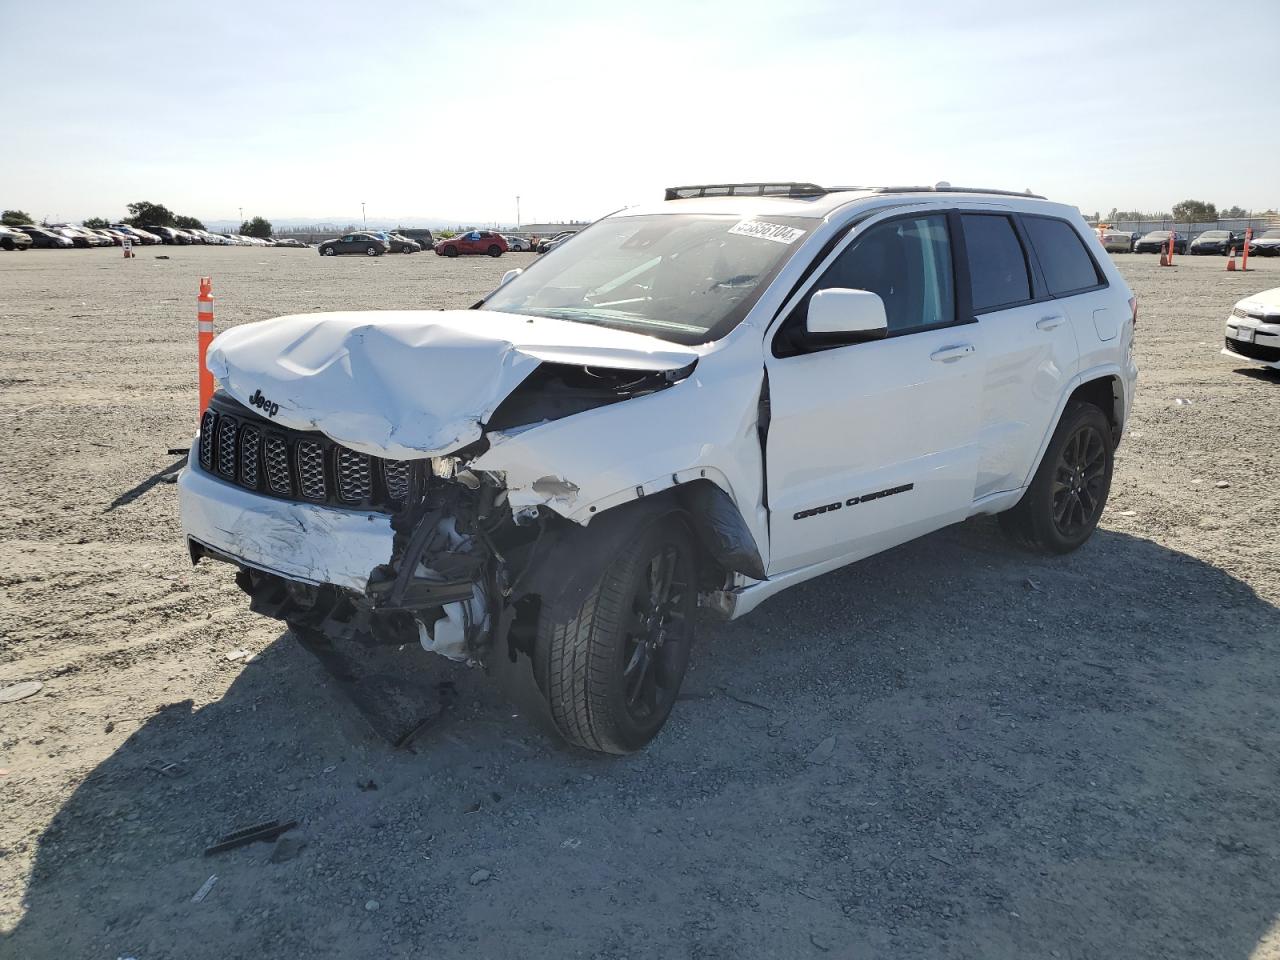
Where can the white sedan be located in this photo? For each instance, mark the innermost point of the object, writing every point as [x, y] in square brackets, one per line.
[518, 245]
[1253, 329]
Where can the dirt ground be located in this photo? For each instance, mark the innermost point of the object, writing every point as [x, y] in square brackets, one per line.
[1068, 758]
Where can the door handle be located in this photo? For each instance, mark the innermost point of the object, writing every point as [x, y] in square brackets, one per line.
[1048, 323]
[950, 354]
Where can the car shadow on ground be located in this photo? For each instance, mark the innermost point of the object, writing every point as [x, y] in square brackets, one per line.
[1066, 757]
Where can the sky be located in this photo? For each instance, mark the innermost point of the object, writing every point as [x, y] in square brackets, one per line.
[451, 110]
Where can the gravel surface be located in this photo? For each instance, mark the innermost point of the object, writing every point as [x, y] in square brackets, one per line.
[954, 749]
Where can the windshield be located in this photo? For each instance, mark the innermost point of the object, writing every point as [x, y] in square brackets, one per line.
[687, 278]
[1270, 235]
[1158, 233]
[1214, 234]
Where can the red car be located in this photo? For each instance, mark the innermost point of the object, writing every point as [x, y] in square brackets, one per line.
[477, 241]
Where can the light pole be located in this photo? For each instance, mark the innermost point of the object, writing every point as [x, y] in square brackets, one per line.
[362, 216]
[241, 214]
[517, 211]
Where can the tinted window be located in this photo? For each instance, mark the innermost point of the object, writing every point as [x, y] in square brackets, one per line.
[1063, 258]
[997, 265]
[908, 264]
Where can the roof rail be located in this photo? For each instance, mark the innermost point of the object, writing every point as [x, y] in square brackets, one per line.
[947, 188]
[783, 189]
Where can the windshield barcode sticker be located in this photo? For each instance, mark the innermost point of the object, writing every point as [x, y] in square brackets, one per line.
[766, 231]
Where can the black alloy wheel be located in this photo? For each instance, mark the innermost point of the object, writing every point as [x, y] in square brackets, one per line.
[495, 250]
[1062, 505]
[451, 251]
[1078, 484]
[655, 644]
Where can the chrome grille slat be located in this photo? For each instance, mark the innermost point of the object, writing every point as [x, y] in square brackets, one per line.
[275, 456]
[396, 475]
[227, 427]
[208, 425]
[355, 478]
[310, 458]
[250, 442]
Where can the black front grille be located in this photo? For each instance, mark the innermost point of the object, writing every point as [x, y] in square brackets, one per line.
[1254, 351]
[254, 453]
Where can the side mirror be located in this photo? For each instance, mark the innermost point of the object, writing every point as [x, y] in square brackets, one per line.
[509, 276]
[857, 313]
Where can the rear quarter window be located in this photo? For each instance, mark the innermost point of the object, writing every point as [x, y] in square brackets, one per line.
[1064, 260]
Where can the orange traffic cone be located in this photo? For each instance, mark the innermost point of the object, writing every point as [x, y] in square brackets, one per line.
[1231, 261]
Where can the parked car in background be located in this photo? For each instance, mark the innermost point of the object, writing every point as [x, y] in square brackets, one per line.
[368, 244]
[169, 235]
[13, 239]
[1253, 329]
[79, 236]
[1116, 241]
[116, 236]
[1217, 241]
[46, 237]
[137, 234]
[475, 242]
[291, 242]
[550, 242]
[1267, 245]
[402, 244]
[1157, 241]
[518, 244]
[419, 234]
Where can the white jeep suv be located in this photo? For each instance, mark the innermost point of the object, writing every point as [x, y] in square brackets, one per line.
[692, 406]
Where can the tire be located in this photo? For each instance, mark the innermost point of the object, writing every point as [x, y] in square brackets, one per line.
[451, 251]
[371, 251]
[8, 244]
[1064, 502]
[494, 250]
[611, 670]
[328, 252]
[406, 249]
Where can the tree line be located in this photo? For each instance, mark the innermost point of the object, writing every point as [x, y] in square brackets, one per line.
[1187, 211]
[144, 213]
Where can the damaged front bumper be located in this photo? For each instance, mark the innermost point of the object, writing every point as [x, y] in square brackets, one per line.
[298, 541]
[344, 571]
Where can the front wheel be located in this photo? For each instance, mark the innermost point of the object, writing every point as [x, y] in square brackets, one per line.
[1064, 502]
[451, 251]
[328, 252]
[611, 670]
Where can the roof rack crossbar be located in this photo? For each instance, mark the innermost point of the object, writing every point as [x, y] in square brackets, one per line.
[774, 189]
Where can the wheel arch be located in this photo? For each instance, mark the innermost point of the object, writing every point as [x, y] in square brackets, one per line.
[562, 569]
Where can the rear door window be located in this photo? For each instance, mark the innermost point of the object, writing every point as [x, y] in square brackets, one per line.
[998, 275]
[1064, 261]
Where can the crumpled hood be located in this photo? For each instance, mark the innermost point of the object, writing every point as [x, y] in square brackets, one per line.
[408, 384]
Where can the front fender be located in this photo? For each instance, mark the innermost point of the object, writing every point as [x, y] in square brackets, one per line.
[586, 464]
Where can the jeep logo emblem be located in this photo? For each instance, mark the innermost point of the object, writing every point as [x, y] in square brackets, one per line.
[263, 404]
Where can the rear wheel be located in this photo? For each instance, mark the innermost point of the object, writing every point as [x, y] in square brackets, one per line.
[1064, 502]
[611, 670]
[495, 250]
